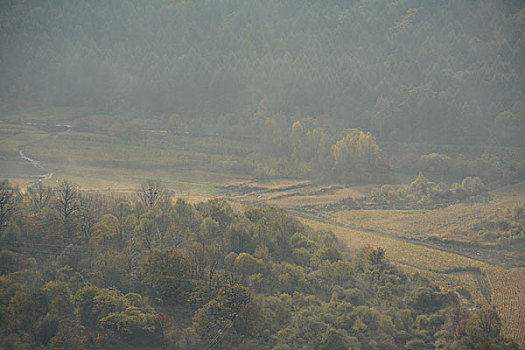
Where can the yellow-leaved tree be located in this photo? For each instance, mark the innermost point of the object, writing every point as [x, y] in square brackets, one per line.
[355, 154]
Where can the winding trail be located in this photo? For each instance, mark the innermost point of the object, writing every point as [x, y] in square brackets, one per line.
[47, 174]
[37, 164]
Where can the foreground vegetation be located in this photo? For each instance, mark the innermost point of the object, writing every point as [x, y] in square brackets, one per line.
[87, 270]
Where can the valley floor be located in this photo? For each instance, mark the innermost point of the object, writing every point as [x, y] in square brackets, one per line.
[436, 243]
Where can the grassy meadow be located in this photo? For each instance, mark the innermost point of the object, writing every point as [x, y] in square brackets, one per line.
[187, 165]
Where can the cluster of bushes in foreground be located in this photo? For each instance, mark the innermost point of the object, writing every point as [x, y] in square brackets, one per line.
[505, 227]
[89, 270]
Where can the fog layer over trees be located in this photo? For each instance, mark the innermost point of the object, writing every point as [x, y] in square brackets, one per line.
[426, 71]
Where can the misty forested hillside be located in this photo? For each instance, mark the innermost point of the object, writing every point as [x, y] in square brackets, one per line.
[392, 131]
[425, 71]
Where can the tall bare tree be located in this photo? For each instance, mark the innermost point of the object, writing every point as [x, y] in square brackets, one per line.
[8, 199]
[67, 199]
[39, 196]
[151, 193]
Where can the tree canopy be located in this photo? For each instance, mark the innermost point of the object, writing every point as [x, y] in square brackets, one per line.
[443, 72]
[210, 277]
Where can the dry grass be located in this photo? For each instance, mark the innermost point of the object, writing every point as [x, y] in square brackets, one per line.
[97, 161]
[15, 136]
[399, 251]
[508, 296]
[188, 165]
[46, 114]
[277, 184]
[451, 223]
[121, 156]
[303, 198]
[184, 184]
[12, 138]
[298, 193]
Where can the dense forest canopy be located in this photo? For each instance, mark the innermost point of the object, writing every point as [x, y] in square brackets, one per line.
[93, 270]
[428, 71]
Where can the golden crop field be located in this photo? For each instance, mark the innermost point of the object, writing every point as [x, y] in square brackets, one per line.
[508, 297]
[399, 251]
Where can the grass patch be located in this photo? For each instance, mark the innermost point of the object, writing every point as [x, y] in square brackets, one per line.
[13, 168]
[451, 223]
[408, 211]
[399, 251]
[48, 114]
[101, 159]
[186, 186]
[82, 152]
[16, 136]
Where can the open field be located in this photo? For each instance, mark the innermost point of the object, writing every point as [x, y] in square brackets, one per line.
[508, 297]
[451, 229]
[447, 223]
[187, 165]
[108, 156]
[400, 251]
[36, 114]
[452, 226]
